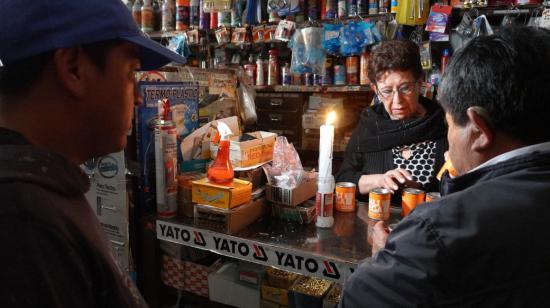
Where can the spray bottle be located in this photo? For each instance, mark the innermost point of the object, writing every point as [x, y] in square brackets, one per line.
[221, 171]
[166, 161]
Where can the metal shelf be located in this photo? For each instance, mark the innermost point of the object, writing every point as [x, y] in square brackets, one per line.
[331, 254]
[314, 89]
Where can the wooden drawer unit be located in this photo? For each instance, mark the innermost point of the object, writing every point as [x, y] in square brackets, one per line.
[279, 119]
[283, 102]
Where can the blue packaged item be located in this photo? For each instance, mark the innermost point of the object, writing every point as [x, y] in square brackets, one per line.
[351, 39]
[331, 38]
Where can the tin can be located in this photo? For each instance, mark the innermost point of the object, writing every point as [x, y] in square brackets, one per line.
[213, 19]
[285, 76]
[432, 196]
[352, 68]
[383, 6]
[317, 79]
[297, 79]
[364, 69]
[410, 198]
[204, 17]
[308, 79]
[393, 6]
[224, 19]
[260, 76]
[379, 204]
[330, 9]
[339, 75]
[250, 70]
[328, 71]
[345, 197]
[352, 8]
[373, 7]
[313, 9]
[362, 7]
[342, 12]
[182, 15]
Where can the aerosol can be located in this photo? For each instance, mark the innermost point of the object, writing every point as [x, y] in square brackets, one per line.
[166, 161]
[221, 171]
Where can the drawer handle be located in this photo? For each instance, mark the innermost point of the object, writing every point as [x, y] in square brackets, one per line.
[275, 117]
[276, 102]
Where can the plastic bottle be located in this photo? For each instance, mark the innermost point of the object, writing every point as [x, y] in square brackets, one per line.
[136, 12]
[221, 171]
[273, 68]
[147, 17]
[324, 202]
[444, 60]
[182, 15]
[167, 16]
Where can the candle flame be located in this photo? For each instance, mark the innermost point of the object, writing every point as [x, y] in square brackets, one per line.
[331, 118]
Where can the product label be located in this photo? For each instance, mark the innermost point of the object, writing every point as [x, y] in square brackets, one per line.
[256, 252]
[324, 203]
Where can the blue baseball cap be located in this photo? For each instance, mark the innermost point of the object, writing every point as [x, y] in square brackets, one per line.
[32, 27]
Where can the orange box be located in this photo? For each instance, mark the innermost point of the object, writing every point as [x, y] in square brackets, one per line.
[275, 295]
[222, 196]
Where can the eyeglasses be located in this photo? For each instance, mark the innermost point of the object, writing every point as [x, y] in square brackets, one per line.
[404, 89]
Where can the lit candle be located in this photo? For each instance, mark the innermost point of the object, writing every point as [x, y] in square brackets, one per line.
[325, 146]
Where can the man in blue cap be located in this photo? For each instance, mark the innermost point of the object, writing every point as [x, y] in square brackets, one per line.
[67, 93]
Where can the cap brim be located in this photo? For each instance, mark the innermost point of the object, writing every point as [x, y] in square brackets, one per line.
[152, 54]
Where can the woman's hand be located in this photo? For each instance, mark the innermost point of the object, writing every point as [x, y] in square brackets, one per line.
[390, 180]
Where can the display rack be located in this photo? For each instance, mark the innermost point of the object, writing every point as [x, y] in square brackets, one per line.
[313, 89]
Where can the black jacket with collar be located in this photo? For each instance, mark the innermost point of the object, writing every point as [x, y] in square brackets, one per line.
[369, 150]
[485, 244]
[54, 251]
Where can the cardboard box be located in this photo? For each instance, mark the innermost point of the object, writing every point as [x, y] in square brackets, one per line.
[306, 190]
[251, 152]
[308, 292]
[196, 276]
[256, 176]
[275, 295]
[333, 296]
[185, 192]
[222, 196]
[226, 288]
[301, 214]
[229, 221]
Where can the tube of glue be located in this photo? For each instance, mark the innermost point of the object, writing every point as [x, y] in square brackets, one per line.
[166, 163]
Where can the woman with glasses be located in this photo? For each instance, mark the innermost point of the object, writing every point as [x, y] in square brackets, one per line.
[399, 142]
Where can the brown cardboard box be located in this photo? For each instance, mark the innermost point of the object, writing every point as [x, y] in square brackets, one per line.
[256, 176]
[229, 221]
[306, 190]
[251, 152]
[222, 196]
[275, 295]
[185, 199]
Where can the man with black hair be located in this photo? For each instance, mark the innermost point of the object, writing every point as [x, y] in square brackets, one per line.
[484, 244]
[67, 93]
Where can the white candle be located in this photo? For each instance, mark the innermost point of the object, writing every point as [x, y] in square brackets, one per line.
[325, 146]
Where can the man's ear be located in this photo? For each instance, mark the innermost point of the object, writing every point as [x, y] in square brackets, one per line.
[70, 68]
[482, 135]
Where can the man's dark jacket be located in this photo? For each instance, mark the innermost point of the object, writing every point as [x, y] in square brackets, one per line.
[53, 252]
[486, 244]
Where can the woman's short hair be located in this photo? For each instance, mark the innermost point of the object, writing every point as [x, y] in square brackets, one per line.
[394, 55]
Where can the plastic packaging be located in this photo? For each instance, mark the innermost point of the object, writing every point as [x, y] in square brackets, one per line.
[221, 171]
